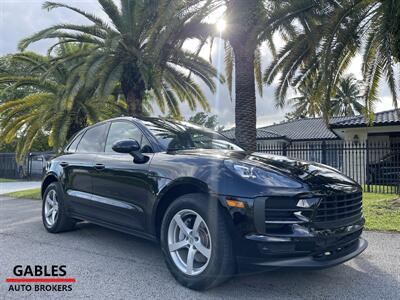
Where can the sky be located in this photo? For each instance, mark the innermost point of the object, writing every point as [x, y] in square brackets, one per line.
[21, 18]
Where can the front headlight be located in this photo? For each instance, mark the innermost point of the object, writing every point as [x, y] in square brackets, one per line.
[261, 176]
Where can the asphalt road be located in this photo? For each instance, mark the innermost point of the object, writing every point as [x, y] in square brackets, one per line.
[15, 186]
[112, 265]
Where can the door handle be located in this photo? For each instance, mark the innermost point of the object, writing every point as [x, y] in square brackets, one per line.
[64, 164]
[99, 167]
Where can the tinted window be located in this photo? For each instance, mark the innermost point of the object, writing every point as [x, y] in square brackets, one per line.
[179, 136]
[75, 142]
[94, 139]
[122, 131]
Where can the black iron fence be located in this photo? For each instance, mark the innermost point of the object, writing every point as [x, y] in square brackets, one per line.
[374, 165]
[9, 167]
[32, 167]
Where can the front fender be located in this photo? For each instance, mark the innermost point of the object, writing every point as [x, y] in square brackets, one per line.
[169, 190]
[49, 177]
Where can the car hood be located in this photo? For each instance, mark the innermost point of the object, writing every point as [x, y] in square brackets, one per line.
[305, 171]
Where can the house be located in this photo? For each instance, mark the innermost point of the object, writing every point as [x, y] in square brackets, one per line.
[385, 127]
[349, 144]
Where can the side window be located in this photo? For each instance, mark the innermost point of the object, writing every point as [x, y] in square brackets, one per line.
[122, 131]
[94, 139]
[74, 144]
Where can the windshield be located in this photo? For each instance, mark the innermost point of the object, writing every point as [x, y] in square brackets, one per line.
[182, 136]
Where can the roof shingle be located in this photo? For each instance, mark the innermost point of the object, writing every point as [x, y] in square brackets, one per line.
[261, 134]
[384, 118]
[308, 129]
[303, 129]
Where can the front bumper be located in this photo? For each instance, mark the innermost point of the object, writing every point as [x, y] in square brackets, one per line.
[316, 261]
[294, 245]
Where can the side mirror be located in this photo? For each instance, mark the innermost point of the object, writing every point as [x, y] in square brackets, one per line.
[132, 147]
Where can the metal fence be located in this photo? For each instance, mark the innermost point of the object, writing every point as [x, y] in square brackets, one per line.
[32, 167]
[376, 166]
[9, 167]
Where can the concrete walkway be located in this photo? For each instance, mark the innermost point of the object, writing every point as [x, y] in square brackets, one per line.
[9, 187]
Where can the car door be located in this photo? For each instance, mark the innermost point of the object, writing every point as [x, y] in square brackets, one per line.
[123, 189]
[79, 168]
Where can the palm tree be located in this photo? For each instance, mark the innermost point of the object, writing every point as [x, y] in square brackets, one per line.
[139, 46]
[244, 18]
[56, 106]
[347, 97]
[246, 30]
[249, 25]
[306, 103]
[345, 102]
[328, 36]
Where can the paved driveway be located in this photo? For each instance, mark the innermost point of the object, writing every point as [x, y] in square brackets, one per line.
[112, 265]
[9, 187]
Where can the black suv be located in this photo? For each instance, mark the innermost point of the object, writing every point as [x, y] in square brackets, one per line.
[386, 171]
[211, 205]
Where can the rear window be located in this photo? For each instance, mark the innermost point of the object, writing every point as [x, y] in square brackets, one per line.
[75, 142]
[94, 139]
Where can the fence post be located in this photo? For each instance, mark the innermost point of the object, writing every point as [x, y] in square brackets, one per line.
[367, 165]
[323, 152]
[284, 149]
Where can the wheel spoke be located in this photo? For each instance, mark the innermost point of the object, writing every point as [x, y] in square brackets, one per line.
[203, 250]
[190, 260]
[182, 225]
[53, 216]
[49, 212]
[49, 201]
[178, 245]
[196, 226]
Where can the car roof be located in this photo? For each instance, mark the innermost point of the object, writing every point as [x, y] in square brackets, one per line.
[154, 119]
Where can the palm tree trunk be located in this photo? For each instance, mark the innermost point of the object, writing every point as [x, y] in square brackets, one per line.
[245, 103]
[134, 89]
[135, 103]
[243, 19]
[78, 122]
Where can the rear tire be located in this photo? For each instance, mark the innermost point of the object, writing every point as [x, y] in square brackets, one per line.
[54, 213]
[198, 251]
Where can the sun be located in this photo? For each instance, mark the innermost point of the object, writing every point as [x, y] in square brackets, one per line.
[221, 25]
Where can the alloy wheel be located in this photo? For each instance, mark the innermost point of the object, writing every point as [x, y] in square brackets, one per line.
[51, 208]
[189, 242]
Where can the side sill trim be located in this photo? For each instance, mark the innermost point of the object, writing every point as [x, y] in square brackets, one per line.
[137, 233]
[104, 200]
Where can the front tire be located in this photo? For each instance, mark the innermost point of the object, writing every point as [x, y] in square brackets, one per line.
[54, 213]
[196, 242]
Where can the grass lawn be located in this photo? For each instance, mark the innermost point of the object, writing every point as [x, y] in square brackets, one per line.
[27, 194]
[382, 211]
[8, 180]
[377, 189]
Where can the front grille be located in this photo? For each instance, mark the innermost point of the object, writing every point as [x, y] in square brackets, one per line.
[277, 215]
[280, 212]
[338, 207]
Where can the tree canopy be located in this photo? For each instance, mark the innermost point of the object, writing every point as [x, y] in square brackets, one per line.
[57, 106]
[139, 46]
